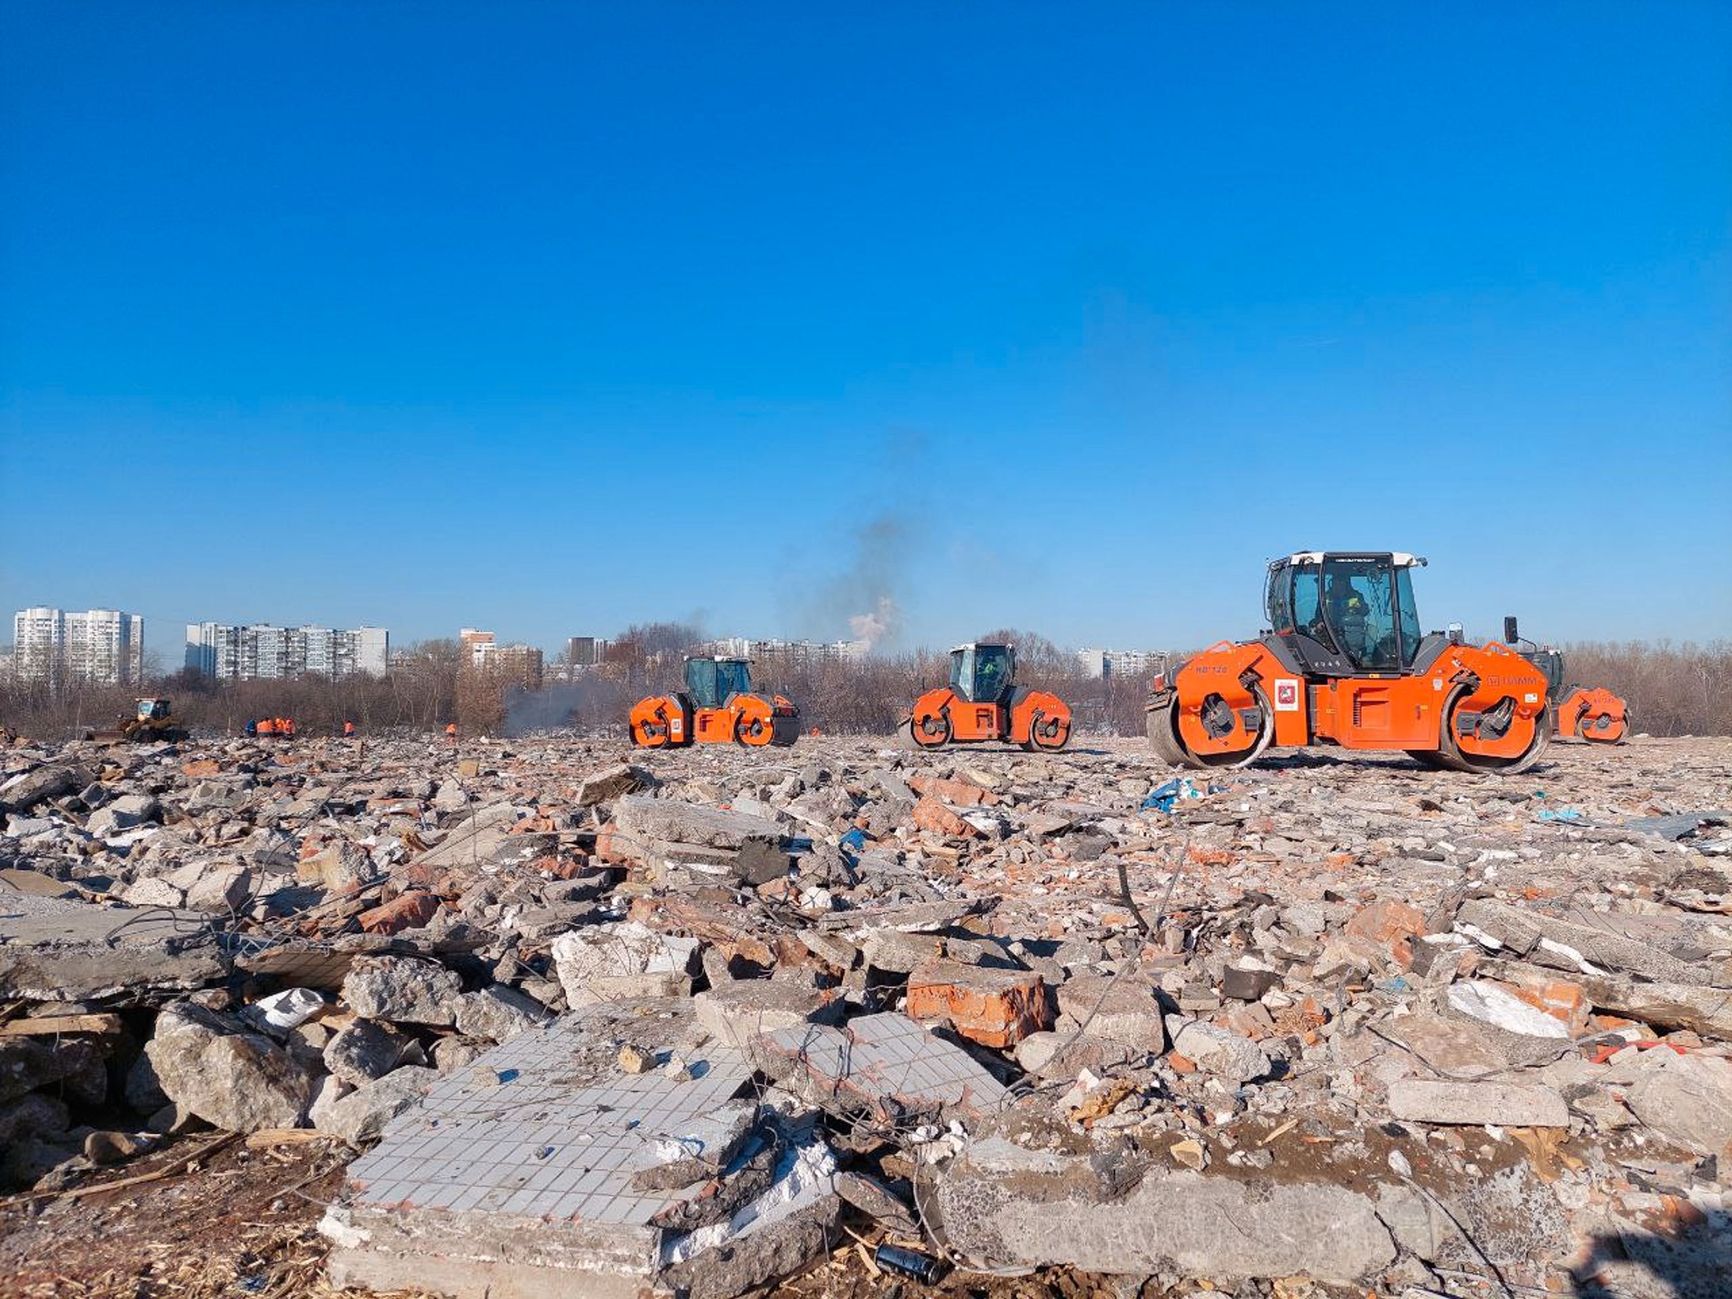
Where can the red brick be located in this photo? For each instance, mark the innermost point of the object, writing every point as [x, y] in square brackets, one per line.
[961, 792]
[933, 816]
[996, 1008]
[1384, 922]
[408, 911]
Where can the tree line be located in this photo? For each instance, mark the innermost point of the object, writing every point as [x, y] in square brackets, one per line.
[1672, 689]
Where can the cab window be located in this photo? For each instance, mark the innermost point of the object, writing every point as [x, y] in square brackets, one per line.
[1306, 614]
[1359, 608]
[1409, 615]
[731, 679]
[1277, 602]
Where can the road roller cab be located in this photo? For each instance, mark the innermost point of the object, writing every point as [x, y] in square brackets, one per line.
[1344, 662]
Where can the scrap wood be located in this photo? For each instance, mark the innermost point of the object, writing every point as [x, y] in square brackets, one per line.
[169, 1169]
[55, 1025]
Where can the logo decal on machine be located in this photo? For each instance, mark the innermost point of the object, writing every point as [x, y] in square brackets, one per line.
[1286, 695]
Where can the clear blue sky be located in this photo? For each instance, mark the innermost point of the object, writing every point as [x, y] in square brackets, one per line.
[548, 318]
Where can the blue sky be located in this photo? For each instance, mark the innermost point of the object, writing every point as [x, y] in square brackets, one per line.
[549, 318]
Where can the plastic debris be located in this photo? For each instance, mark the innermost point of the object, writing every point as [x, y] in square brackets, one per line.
[1165, 797]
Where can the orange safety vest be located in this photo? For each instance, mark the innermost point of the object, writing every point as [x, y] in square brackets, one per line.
[451, 729]
[267, 726]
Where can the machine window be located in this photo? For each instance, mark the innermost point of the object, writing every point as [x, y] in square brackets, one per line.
[1409, 613]
[1359, 606]
[1307, 612]
[731, 679]
[962, 672]
[1277, 603]
[991, 672]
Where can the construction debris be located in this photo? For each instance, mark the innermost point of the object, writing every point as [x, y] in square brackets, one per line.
[680, 1025]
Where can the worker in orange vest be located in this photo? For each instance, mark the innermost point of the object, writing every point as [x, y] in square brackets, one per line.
[451, 732]
[289, 727]
[348, 729]
[267, 727]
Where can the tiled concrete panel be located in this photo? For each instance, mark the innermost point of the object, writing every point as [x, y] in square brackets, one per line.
[526, 1156]
[878, 1058]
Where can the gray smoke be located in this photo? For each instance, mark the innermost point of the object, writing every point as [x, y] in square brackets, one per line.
[589, 702]
[862, 598]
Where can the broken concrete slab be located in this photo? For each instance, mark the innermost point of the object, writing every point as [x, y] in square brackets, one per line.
[515, 1173]
[25, 790]
[1220, 1051]
[1000, 1205]
[1508, 1104]
[1568, 943]
[499, 1014]
[740, 1010]
[57, 949]
[1056, 1054]
[1119, 1010]
[362, 1116]
[366, 1049]
[477, 839]
[1700, 1009]
[884, 1064]
[610, 783]
[73, 1066]
[648, 825]
[620, 961]
[1687, 1098]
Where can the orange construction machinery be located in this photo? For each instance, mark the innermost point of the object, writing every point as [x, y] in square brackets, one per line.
[1590, 713]
[983, 702]
[1344, 662]
[716, 707]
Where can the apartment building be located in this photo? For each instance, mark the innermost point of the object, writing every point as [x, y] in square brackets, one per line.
[481, 652]
[1118, 663]
[105, 646]
[262, 652]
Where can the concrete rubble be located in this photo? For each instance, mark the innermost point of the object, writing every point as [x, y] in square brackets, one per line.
[603, 1023]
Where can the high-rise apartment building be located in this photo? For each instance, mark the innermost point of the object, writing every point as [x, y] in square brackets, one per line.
[1118, 663]
[261, 652]
[100, 645]
[584, 651]
[480, 652]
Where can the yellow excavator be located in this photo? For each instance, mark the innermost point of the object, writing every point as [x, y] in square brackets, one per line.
[151, 721]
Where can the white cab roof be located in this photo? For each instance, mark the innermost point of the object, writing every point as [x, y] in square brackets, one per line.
[1400, 558]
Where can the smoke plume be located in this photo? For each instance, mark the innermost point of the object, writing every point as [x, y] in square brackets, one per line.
[863, 596]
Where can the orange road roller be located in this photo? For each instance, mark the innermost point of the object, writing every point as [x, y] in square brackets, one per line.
[716, 707]
[984, 703]
[1590, 713]
[1344, 663]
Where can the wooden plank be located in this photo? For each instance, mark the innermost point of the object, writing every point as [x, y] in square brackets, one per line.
[56, 1025]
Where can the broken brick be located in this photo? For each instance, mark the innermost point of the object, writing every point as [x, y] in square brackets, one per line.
[993, 1007]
